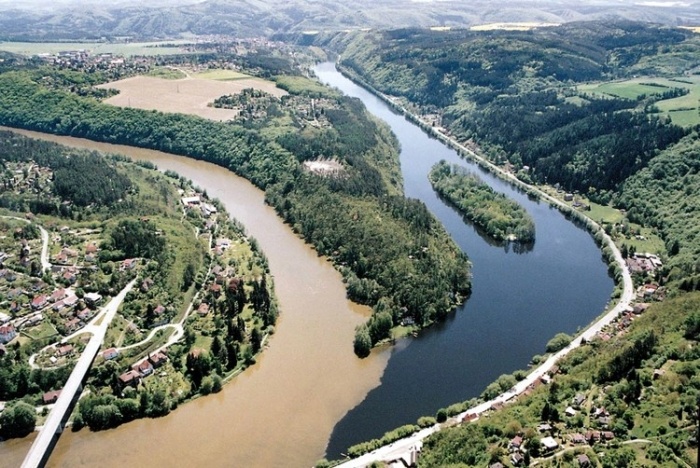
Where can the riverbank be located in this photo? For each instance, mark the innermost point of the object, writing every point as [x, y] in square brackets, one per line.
[614, 257]
[285, 406]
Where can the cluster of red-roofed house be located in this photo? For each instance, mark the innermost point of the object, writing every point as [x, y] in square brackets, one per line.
[623, 321]
[643, 263]
[141, 369]
[517, 446]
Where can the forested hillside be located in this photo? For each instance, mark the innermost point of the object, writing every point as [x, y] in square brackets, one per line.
[666, 195]
[525, 100]
[394, 260]
[640, 387]
[514, 94]
[519, 98]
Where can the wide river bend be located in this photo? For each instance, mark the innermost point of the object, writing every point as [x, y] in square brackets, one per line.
[308, 394]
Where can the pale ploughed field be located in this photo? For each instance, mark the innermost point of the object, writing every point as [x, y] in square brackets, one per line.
[185, 96]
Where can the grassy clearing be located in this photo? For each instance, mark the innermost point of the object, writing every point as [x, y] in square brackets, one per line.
[576, 100]
[683, 110]
[302, 85]
[685, 118]
[159, 339]
[631, 89]
[644, 239]
[134, 48]
[167, 73]
[191, 96]
[115, 332]
[203, 342]
[221, 75]
[42, 331]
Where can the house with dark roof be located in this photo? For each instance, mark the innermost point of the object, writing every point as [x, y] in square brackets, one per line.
[516, 459]
[130, 378]
[515, 443]
[64, 350]
[110, 353]
[144, 368]
[158, 359]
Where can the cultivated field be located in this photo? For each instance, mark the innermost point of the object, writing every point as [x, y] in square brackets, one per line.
[683, 110]
[186, 96]
[127, 49]
[511, 26]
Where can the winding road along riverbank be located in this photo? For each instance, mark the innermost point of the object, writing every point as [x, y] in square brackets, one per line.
[404, 447]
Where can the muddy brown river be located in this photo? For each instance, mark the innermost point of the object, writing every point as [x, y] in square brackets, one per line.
[279, 412]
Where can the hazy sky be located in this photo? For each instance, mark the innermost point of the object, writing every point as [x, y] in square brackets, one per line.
[111, 3]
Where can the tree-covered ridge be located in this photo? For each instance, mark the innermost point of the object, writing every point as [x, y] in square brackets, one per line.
[666, 196]
[386, 246]
[512, 93]
[441, 68]
[501, 218]
[69, 181]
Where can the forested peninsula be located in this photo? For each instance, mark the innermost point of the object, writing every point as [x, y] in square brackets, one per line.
[392, 252]
[501, 218]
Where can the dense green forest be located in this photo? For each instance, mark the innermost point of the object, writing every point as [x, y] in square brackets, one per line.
[501, 218]
[395, 259]
[512, 93]
[104, 187]
[666, 196]
[514, 97]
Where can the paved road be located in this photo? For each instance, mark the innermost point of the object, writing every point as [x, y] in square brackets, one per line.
[43, 442]
[89, 327]
[45, 265]
[403, 447]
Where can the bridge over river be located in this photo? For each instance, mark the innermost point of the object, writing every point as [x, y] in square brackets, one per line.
[45, 441]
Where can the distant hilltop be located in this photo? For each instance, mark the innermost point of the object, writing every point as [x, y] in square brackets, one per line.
[40, 20]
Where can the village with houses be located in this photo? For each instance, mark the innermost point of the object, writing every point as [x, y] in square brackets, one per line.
[57, 274]
[572, 427]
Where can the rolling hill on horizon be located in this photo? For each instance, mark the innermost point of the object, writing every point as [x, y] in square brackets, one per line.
[36, 21]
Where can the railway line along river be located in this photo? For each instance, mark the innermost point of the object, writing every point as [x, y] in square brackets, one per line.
[309, 393]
